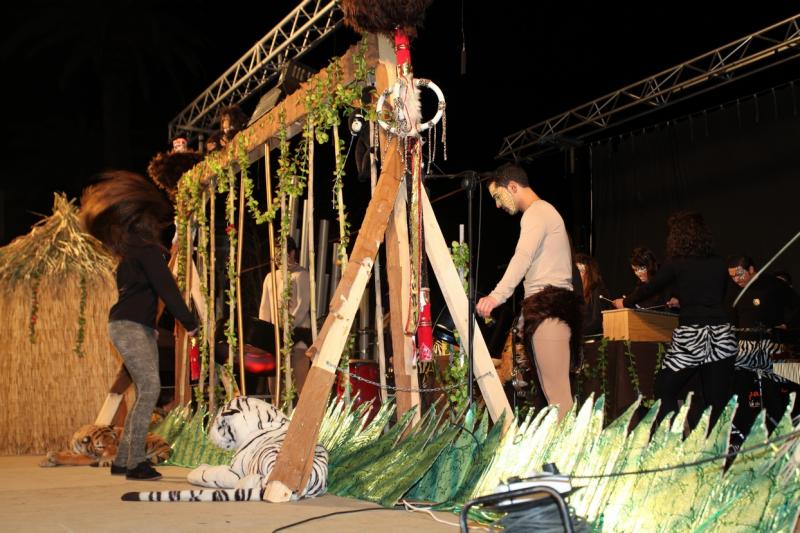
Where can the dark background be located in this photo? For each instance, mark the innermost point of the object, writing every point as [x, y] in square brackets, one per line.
[92, 85]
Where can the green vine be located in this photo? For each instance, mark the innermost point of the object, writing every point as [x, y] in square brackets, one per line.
[326, 99]
[631, 366]
[81, 319]
[457, 368]
[602, 370]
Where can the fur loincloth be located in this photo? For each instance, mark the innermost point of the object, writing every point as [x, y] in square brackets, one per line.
[559, 303]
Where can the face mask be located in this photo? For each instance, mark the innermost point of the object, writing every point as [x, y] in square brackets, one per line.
[503, 199]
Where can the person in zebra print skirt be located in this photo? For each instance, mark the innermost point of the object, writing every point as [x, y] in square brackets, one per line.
[704, 341]
[768, 306]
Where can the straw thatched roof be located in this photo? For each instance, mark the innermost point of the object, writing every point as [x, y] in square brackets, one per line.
[55, 246]
[57, 286]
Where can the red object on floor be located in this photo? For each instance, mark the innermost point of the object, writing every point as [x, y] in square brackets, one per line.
[366, 391]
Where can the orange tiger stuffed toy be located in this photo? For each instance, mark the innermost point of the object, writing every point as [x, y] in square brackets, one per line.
[97, 446]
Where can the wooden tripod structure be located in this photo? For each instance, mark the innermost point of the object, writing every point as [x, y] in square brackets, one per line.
[385, 218]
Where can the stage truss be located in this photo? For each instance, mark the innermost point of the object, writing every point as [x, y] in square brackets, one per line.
[755, 52]
[296, 34]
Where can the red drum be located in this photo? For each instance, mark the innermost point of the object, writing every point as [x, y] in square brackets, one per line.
[366, 391]
[257, 361]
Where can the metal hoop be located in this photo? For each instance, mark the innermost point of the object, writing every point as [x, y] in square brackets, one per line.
[421, 83]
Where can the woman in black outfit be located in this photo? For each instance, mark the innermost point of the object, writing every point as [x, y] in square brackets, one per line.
[593, 289]
[126, 213]
[644, 266]
[704, 340]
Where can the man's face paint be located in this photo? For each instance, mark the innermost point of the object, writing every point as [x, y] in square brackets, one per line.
[503, 199]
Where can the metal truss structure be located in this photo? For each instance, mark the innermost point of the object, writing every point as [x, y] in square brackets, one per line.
[298, 32]
[769, 47]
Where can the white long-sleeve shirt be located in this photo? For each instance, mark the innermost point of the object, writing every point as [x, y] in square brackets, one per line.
[542, 256]
[299, 303]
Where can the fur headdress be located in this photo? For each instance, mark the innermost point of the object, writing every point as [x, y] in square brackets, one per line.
[385, 15]
[166, 168]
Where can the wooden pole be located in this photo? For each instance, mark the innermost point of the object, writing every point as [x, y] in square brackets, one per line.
[239, 243]
[398, 275]
[293, 465]
[273, 301]
[212, 291]
[376, 276]
[453, 291]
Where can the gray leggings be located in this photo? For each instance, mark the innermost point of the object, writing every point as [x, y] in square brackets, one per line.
[136, 343]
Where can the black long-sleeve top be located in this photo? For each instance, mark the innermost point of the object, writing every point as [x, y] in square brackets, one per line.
[769, 302]
[142, 278]
[593, 311]
[699, 284]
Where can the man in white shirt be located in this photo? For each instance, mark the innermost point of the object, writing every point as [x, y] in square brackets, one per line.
[299, 309]
[543, 258]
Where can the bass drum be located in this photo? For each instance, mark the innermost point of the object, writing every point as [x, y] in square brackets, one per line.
[366, 391]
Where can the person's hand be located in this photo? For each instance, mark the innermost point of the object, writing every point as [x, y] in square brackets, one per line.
[192, 333]
[485, 305]
[619, 303]
[673, 303]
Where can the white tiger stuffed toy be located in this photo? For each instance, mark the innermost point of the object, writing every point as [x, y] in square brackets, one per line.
[256, 430]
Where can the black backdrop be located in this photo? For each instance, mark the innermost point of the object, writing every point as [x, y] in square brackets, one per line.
[738, 164]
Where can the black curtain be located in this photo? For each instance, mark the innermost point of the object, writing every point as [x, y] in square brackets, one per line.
[739, 165]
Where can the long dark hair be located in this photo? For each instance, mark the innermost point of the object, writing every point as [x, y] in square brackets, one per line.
[123, 209]
[688, 235]
[593, 277]
[644, 257]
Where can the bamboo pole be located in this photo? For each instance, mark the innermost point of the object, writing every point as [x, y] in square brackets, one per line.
[342, 255]
[310, 237]
[202, 278]
[273, 301]
[285, 311]
[239, 243]
[212, 308]
[183, 375]
[376, 274]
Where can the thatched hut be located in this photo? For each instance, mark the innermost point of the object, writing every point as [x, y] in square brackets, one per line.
[56, 361]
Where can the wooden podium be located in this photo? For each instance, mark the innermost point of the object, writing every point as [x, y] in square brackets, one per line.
[638, 325]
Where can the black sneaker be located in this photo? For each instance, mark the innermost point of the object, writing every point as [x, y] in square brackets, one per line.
[118, 470]
[144, 471]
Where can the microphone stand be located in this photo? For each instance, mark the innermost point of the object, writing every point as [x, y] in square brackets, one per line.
[469, 180]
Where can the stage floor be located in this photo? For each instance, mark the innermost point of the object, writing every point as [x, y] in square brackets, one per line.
[78, 499]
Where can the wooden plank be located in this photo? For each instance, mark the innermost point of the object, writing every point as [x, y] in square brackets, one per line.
[439, 257]
[639, 325]
[398, 268]
[293, 465]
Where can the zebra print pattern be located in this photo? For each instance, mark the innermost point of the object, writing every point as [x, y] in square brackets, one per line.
[256, 429]
[755, 355]
[219, 495]
[696, 345]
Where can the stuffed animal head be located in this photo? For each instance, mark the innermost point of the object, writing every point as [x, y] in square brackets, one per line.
[242, 417]
[92, 441]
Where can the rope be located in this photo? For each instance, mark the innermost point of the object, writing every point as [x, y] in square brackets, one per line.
[409, 389]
